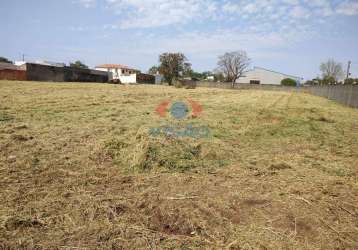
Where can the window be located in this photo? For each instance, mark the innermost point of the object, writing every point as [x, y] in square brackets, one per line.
[254, 82]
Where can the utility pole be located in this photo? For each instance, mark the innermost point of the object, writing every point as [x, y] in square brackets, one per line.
[348, 69]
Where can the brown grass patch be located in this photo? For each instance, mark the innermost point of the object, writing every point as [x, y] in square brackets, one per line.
[79, 170]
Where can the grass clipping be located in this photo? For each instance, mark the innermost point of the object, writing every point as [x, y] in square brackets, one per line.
[146, 153]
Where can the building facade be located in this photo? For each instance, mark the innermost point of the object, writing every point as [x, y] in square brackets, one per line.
[119, 73]
[264, 76]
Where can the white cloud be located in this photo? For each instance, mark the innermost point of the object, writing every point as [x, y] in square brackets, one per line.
[79, 28]
[110, 26]
[278, 22]
[160, 13]
[300, 12]
[221, 40]
[157, 13]
[348, 8]
[291, 2]
[87, 3]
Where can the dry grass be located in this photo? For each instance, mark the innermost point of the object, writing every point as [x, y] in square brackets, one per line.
[79, 170]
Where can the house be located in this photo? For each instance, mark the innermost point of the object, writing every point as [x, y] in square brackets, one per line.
[119, 73]
[264, 76]
[210, 78]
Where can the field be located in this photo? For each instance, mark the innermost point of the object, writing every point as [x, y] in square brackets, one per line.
[80, 169]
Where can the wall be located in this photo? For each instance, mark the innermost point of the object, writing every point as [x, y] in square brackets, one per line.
[344, 94]
[11, 74]
[128, 79]
[37, 72]
[145, 78]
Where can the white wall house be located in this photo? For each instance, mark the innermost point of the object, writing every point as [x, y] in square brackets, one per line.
[210, 78]
[119, 72]
[264, 76]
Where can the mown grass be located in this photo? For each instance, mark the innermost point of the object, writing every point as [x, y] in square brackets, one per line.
[80, 169]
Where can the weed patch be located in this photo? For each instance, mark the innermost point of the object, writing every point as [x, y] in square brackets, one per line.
[172, 154]
[4, 117]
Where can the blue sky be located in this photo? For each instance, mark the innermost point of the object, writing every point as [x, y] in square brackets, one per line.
[290, 36]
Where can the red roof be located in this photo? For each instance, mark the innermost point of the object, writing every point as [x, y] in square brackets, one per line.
[113, 66]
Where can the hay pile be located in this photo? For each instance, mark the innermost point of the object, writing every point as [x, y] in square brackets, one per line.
[146, 153]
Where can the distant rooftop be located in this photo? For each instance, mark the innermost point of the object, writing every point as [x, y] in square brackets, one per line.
[8, 66]
[113, 66]
[277, 72]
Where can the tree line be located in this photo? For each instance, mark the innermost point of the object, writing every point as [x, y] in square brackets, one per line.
[230, 67]
[332, 73]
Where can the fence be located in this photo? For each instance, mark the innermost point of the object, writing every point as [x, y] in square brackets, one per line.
[228, 85]
[344, 94]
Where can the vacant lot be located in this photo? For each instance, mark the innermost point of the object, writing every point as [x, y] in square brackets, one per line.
[80, 170]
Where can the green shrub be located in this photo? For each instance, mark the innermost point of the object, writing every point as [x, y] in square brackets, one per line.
[328, 80]
[288, 82]
[349, 81]
[310, 82]
[5, 117]
[178, 84]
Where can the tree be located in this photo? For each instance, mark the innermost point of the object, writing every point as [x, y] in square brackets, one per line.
[219, 76]
[172, 65]
[233, 65]
[310, 82]
[205, 74]
[331, 71]
[328, 80]
[187, 70]
[153, 70]
[78, 64]
[288, 82]
[349, 81]
[4, 60]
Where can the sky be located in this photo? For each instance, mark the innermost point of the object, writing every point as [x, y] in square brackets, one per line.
[289, 36]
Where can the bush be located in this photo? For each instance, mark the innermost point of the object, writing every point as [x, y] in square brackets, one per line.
[328, 80]
[178, 84]
[309, 82]
[349, 81]
[288, 82]
[188, 84]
